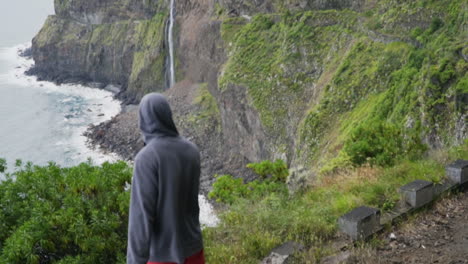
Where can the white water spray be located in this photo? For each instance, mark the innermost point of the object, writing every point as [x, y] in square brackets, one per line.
[171, 45]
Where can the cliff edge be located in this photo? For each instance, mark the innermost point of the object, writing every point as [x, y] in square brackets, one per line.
[303, 81]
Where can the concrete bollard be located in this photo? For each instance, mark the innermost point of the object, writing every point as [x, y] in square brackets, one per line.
[281, 254]
[457, 172]
[418, 193]
[360, 223]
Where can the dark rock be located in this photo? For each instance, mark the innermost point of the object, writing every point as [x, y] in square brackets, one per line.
[27, 53]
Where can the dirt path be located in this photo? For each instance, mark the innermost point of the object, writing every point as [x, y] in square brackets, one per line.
[439, 235]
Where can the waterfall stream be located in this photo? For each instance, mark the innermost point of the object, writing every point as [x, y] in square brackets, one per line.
[171, 45]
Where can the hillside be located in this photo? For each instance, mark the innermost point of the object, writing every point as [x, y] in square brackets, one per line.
[319, 84]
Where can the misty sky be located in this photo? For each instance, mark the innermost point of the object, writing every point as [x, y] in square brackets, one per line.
[21, 19]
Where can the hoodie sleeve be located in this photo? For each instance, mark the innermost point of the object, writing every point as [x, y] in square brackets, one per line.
[142, 210]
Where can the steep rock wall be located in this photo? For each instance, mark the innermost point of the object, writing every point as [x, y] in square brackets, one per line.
[107, 11]
[127, 50]
[252, 7]
[291, 79]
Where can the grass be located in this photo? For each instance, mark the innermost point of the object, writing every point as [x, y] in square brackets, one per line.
[251, 228]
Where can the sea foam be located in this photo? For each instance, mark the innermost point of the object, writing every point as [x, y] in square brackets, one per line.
[100, 104]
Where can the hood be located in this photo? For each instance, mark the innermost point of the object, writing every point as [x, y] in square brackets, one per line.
[155, 117]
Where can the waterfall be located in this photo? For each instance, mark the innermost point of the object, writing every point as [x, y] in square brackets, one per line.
[171, 45]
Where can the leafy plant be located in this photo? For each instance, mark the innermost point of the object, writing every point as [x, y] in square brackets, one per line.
[377, 144]
[277, 171]
[67, 215]
[227, 189]
[3, 165]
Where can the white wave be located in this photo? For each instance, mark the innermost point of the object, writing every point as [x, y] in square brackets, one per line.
[101, 104]
[208, 217]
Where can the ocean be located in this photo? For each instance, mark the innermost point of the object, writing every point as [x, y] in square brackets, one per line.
[40, 121]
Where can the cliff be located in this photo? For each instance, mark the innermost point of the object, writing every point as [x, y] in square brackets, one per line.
[304, 81]
[109, 42]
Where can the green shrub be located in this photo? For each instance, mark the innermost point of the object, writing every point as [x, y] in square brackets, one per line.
[3, 166]
[375, 143]
[68, 215]
[436, 23]
[277, 171]
[227, 189]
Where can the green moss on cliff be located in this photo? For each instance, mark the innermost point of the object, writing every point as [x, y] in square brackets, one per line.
[278, 58]
[206, 115]
[409, 71]
[413, 88]
[56, 30]
[149, 58]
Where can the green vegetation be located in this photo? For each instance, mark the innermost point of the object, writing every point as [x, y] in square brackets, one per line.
[227, 189]
[276, 58]
[380, 144]
[64, 215]
[79, 215]
[254, 225]
[277, 171]
[208, 107]
[205, 118]
[315, 76]
[147, 74]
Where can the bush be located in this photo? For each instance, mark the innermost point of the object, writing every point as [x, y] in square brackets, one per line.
[68, 215]
[375, 143]
[436, 24]
[2, 165]
[277, 171]
[383, 144]
[228, 189]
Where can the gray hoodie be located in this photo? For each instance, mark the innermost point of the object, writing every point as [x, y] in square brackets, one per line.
[164, 213]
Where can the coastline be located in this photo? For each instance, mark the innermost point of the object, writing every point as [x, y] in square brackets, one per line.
[101, 104]
[96, 134]
[117, 136]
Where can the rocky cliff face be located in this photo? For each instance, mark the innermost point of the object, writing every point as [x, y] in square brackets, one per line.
[252, 7]
[274, 79]
[107, 11]
[109, 42]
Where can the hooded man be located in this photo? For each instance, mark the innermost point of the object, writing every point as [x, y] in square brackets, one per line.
[164, 222]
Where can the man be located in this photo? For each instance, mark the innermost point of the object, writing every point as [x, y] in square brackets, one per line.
[164, 222]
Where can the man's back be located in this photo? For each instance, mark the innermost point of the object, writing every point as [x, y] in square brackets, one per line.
[164, 212]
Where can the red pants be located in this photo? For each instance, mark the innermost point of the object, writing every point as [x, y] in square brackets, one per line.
[198, 258]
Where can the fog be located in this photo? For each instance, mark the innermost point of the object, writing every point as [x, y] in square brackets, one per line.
[20, 20]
